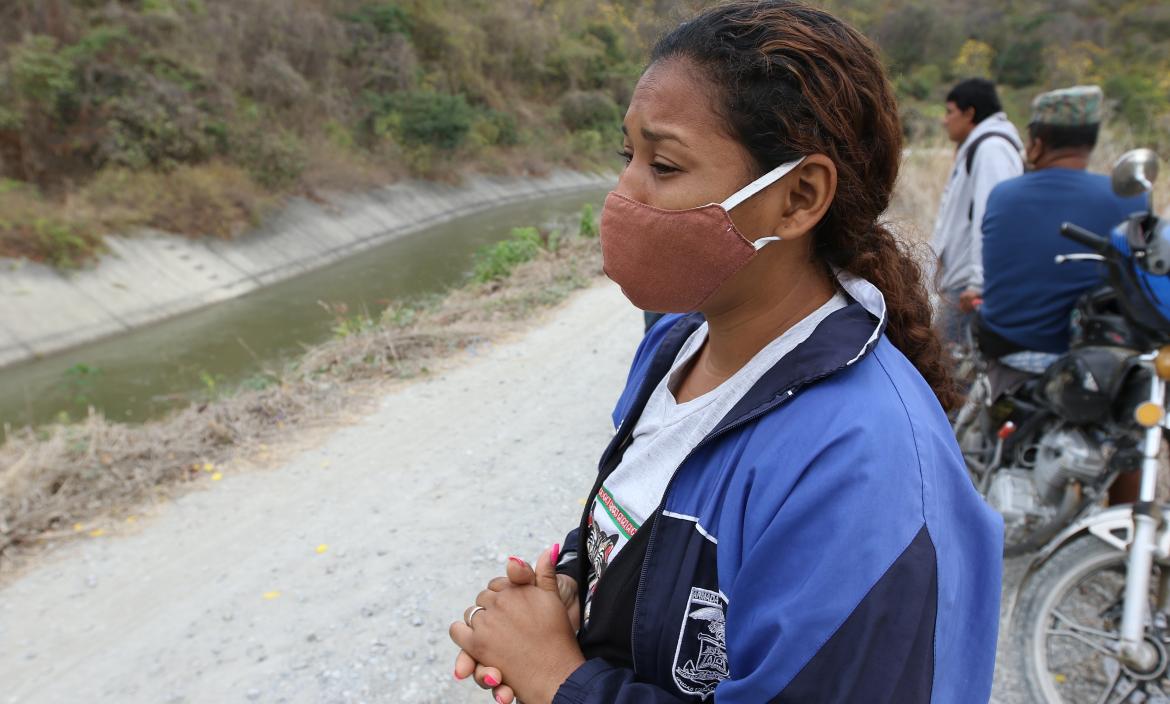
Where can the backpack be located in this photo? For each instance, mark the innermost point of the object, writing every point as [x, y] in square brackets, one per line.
[971, 160]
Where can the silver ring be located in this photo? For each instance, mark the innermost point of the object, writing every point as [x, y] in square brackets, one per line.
[471, 614]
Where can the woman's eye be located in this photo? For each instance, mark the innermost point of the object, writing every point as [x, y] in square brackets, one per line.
[660, 169]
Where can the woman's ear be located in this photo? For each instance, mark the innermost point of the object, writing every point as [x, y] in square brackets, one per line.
[808, 193]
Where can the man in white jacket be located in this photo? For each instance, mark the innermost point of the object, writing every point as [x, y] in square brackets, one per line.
[988, 152]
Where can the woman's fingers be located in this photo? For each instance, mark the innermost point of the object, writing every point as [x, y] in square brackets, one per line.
[567, 590]
[460, 634]
[488, 677]
[546, 569]
[519, 572]
[464, 665]
[485, 677]
[504, 694]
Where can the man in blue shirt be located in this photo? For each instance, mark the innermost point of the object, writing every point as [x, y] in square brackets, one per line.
[1028, 298]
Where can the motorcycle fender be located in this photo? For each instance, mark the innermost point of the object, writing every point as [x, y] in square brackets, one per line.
[1112, 525]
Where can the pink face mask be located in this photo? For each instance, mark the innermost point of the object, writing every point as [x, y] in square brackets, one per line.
[671, 261]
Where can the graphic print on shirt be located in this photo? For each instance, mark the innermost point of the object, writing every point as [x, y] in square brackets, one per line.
[599, 546]
[700, 659]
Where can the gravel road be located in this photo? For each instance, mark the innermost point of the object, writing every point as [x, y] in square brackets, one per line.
[332, 578]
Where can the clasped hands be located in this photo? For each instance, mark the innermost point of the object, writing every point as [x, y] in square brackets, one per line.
[521, 640]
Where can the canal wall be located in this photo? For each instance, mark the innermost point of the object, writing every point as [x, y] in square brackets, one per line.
[151, 276]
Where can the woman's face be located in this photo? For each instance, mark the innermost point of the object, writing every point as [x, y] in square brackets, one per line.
[678, 149]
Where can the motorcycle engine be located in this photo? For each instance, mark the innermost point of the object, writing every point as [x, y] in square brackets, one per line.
[1063, 454]
[1034, 486]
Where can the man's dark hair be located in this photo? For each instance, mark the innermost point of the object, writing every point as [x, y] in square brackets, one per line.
[1065, 136]
[978, 93]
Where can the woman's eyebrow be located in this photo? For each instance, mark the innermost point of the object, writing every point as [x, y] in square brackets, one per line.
[656, 135]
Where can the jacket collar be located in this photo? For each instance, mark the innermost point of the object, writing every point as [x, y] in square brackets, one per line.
[840, 341]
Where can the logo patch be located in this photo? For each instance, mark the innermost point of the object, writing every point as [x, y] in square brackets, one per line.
[700, 659]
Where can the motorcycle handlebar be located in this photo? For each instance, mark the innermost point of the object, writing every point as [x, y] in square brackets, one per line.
[1080, 235]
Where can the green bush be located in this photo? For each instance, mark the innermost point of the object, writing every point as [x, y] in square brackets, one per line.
[495, 128]
[1138, 97]
[589, 110]
[36, 228]
[274, 158]
[385, 18]
[508, 133]
[587, 145]
[40, 75]
[150, 130]
[418, 118]
[496, 261]
[588, 227]
[920, 83]
[164, 113]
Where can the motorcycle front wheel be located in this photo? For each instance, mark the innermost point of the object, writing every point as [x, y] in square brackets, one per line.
[1067, 628]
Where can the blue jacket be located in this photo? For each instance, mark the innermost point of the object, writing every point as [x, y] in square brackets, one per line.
[822, 544]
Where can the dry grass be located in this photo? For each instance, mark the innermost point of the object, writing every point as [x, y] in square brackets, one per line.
[214, 199]
[921, 180]
[1114, 141]
[926, 168]
[36, 228]
[53, 478]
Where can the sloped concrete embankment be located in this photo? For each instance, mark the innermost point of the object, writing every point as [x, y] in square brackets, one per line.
[153, 276]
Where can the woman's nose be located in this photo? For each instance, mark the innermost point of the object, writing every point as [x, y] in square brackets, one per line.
[632, 186]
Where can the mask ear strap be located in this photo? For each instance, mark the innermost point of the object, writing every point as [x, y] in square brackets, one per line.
[760, 184]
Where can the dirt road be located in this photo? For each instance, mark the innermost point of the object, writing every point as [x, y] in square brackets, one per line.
[333, 578]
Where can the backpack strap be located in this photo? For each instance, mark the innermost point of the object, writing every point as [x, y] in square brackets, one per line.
[971, 159]
[982, 138]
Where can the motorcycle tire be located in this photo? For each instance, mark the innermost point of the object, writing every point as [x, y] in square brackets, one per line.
[1067, 620]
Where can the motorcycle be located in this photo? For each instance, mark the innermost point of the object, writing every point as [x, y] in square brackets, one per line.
[1046, 453]
[1092, 615]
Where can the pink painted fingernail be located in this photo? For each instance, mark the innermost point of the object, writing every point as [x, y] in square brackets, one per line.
[554, 554]
[491, 681]
[518, 561]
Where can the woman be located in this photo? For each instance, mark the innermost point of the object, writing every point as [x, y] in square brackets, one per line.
[783, 514]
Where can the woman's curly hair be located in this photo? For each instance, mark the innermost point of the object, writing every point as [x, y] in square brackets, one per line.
[791, 80]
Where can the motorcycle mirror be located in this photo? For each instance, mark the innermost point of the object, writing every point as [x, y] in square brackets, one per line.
[1135, 173]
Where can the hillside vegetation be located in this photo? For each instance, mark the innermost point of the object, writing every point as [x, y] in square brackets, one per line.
[198, 116]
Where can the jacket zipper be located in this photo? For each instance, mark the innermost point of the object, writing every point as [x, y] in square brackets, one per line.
[743, 420]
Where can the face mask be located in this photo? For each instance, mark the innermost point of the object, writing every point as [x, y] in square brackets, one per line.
[671, 261]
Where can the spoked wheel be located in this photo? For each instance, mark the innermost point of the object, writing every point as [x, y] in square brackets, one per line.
[1067, 631]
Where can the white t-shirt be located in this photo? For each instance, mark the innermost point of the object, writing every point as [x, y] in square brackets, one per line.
[666, 433]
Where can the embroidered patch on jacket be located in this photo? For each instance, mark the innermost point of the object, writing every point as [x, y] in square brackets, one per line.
[599, 546]
[700, 659]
